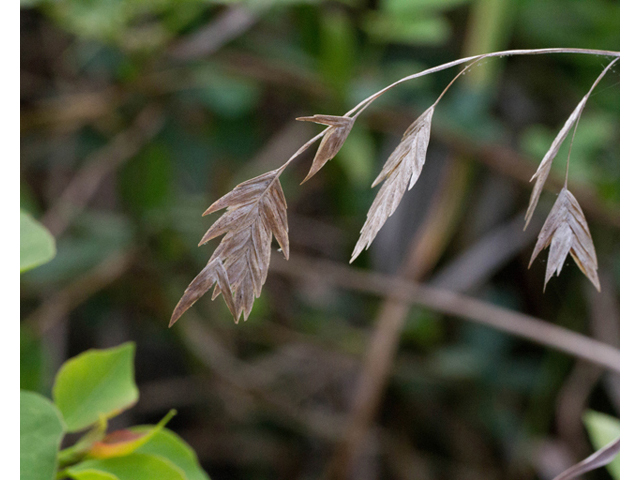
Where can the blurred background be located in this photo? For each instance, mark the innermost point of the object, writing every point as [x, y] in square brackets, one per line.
[136, 115]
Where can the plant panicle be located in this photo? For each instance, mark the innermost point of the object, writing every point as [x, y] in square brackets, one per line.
[256, 209]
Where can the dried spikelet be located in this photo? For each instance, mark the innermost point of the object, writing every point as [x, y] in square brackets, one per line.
[545, 165]
[256, 210]
[566, 231]
[400, 173]
[339, 128]
[212, 273]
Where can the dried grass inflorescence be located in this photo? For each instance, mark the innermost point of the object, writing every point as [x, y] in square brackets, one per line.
[257, 210]
[566, 228]
[567, 232]
[400, 173]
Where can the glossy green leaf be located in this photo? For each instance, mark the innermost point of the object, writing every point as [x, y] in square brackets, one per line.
[137, 466]
[37, 245]
[41, 430]
[167, 444]
[603, 429]
[95, 383]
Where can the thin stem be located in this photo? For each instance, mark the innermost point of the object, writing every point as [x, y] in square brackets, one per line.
[371, 99]
[301, 150]
[600, 77]
[505, 53]
[566, 172]
[360, 107]
[462, 72]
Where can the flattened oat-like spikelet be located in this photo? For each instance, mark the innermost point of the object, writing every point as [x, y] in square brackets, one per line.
[545, 165]
[566, 231]
[339, 128]
[400, 173]
[256, 210]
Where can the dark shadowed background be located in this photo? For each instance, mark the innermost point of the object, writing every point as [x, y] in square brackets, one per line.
[136, 115]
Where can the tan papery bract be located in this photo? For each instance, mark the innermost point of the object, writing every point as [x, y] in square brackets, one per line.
[400, 173]
[566, 232]
[256, 210]
[337, 133]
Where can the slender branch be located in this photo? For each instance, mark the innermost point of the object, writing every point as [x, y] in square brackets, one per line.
[465, 307]
[573, 136]
[575, 128]
[301, 150]
[505, 53]
[462, 72]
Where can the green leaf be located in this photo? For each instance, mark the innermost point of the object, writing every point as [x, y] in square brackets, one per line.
[137, 466]
[90, 474]
[603, 429]
[37, 245]
[167, 444]
[95, 383]
[125, 442]
[41, 430]
[78, 450]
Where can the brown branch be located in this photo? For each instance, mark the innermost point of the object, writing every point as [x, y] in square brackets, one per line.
[98, 165]
[450, 303]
